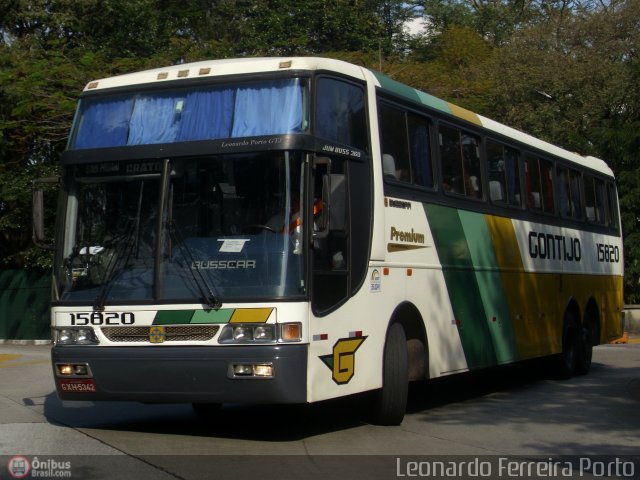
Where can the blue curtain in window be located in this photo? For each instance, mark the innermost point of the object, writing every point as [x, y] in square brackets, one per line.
[420, 156]
[511, 167]
[103, 123]
[270, 109]
[207, 115]
[155, 120]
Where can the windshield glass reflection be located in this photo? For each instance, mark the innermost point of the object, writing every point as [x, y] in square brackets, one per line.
[231, 229]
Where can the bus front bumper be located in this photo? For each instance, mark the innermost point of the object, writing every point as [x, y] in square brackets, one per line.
[183, 374]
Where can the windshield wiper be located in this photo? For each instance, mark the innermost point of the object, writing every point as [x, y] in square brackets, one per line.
[126, 249]
[210, 298]
[129, 244]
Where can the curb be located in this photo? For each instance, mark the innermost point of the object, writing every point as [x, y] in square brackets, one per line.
[25, 342]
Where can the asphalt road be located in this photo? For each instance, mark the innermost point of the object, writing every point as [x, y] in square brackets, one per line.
[513, 413]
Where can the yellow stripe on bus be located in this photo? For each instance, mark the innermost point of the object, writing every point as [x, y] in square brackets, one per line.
[251, 315]
[537, 301]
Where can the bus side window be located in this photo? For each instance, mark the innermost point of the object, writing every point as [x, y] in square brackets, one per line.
[460, 158]
[532, 181]
[546, 177]
[504, 175]
[575, 180]
[393, 138]
[421, 164]
[594, 203]
[569, 193]
[340, 113]
[600, 201]
[612, 212]
[590, 199]
[563, 192]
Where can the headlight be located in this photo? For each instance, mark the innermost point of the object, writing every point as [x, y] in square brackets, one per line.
[64, 336]
[261, 333]
[247, 333]
[75, 336]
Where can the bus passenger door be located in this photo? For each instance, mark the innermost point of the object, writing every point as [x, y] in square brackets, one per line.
[329, 234]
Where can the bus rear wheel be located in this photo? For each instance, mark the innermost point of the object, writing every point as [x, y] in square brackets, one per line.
[390, 402]
[588, 338]
[567, 361]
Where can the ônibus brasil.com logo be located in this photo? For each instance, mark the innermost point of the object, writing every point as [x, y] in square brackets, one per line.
[19, 467]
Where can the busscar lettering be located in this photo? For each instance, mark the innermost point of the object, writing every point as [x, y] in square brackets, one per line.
[143, 167]
[222, 264]
[547, 246]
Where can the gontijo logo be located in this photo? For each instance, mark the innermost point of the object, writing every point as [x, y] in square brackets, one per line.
[342, 361]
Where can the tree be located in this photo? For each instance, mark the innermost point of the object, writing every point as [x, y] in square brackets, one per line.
[575, 81]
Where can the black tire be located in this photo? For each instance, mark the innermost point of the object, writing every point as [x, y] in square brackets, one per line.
[588, 338]
[567, 361]
[390, 402]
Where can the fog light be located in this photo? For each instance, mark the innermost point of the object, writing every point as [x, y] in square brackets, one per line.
[242, 370]
[263, 370]
[66, 369]
[73, 369]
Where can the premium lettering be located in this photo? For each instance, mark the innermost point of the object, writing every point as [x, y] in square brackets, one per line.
[408, 237]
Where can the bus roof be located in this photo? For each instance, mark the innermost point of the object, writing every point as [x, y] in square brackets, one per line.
[238, 66]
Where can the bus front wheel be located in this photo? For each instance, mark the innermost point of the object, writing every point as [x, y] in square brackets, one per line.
[390, 401]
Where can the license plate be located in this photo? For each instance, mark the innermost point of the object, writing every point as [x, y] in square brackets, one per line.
[78, 385]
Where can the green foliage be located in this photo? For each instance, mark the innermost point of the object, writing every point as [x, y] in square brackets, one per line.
[629, 191]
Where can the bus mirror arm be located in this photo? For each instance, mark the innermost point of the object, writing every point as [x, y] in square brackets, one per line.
[38, 211]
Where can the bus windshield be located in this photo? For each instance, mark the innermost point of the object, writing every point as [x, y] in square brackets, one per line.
[230, 227]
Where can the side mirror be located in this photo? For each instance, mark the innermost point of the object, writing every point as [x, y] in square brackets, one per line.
[39, 185]
[333, 213]
[321, 224]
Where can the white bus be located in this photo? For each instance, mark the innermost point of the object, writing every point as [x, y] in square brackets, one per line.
[290, 230]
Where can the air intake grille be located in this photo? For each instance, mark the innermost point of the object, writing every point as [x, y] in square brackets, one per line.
[173, 333]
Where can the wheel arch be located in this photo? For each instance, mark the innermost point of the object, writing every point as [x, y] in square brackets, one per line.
[408, 315]
[571, 316]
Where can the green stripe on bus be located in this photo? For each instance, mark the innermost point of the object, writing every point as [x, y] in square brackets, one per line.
[462, 285]
[173, 317]
[181, 317]
[489, 280]
[213, 316]
[411, 93]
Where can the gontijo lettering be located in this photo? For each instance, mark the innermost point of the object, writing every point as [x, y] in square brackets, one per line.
[548, 246]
